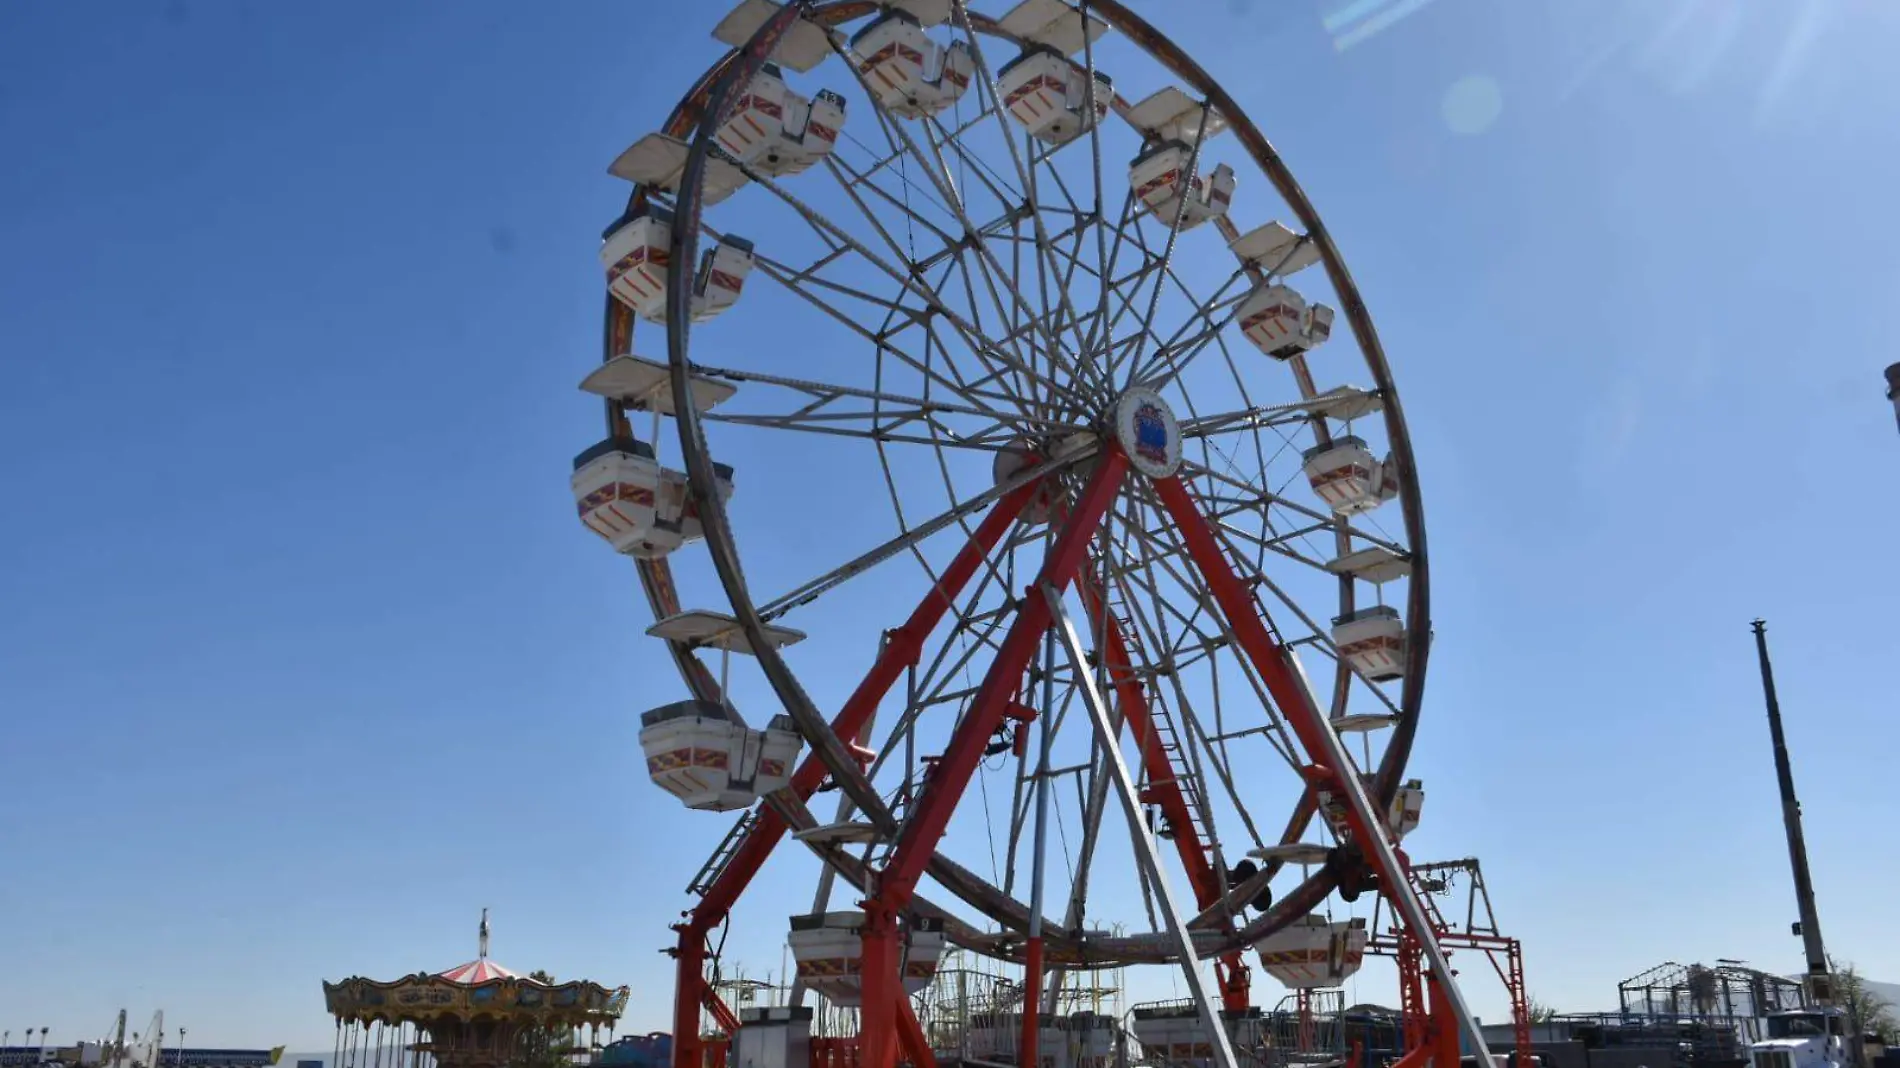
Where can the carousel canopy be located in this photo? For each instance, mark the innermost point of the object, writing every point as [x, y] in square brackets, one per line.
[479, 970]
[476, 990]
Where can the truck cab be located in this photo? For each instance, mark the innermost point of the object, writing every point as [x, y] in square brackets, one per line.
[1803, 1038]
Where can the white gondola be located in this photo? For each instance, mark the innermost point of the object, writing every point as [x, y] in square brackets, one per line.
[1275, 250]
[638, 254]
[776, 131]
[659, 162]
[676, 520]
[1345, 476]
[1401, 817]
[1408, 806]
[828, 949]
[1174, 1034]
[1373, 641]
[911, 75]
[1312, 953]
[997, 1038]
[710, 762]
[616, 489]
[1049, 93]
[1160, 179]
[1281, 324]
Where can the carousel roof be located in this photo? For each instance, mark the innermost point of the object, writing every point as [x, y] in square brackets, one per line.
[479, 970]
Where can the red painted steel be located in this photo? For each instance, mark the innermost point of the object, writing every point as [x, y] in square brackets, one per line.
[1164, 786]
[945, 786]
[902, 648]
[1032, 999]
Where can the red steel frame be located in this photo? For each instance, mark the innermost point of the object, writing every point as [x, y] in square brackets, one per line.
[1510, 970]
[902, 649]
[888, 1027]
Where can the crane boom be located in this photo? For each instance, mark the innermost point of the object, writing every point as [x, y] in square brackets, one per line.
[1820, 984]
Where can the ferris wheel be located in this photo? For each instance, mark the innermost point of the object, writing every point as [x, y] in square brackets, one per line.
[1073, 444]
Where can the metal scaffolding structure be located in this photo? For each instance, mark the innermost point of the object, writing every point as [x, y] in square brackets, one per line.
[1474, 926]
[1727, 993]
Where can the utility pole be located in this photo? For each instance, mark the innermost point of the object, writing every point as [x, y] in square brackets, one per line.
[1820, 984]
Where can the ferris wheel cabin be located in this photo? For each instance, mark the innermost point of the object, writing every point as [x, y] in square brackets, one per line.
[1314, 952]
[1049, 93]
[1162, 183]
[710, 762]
[776, 131]
[1344, 474]
[637, 254]
[1166, 175]
[639, 507]
[1372, 640]
[1281, 324]
[828, 948]
[911, 75]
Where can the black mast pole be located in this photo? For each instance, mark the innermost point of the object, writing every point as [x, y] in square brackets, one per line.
[1820, 985]
[1893, 388]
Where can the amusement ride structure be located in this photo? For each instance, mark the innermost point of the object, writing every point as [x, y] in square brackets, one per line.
[1064, 457]
[475, 1015]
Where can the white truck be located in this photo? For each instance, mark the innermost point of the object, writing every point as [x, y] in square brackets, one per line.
[1805, 1038]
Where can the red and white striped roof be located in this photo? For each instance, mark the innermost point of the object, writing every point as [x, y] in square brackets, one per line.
[479, 970]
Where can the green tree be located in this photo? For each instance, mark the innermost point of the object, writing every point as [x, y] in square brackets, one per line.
[1867, 1011]
[543, 1047]
[1538, 1011]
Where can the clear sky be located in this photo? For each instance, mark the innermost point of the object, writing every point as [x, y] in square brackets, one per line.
[304, 660]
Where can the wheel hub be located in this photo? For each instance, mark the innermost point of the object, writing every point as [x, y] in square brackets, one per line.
[1146, 429]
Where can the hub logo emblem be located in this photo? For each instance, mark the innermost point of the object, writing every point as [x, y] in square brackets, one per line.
[1151, 434]
[1147, 432]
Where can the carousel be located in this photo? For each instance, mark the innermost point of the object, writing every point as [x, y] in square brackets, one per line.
[474, 1015]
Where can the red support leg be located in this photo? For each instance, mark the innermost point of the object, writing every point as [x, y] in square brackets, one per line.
[902, 648]
[911, 1038]
[938, 799]
[881, 987]
[1444, 1044]
[1288, 690]
[687, 996]
[1032, 1003]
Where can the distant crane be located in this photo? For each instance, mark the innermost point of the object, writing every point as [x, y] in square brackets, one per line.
[1893, 388]
[1820, 983]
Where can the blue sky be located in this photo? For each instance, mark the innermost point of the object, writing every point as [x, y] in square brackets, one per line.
[304, 660]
